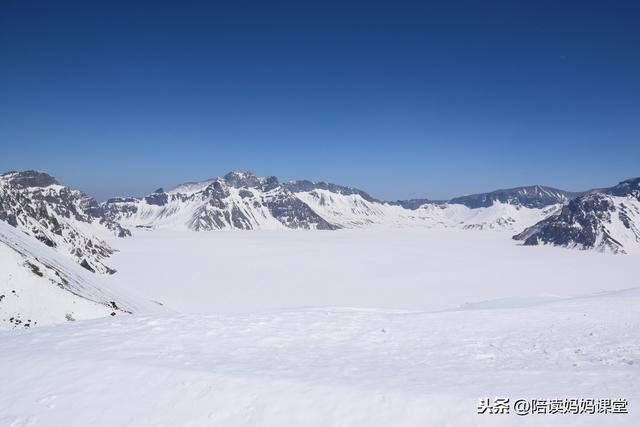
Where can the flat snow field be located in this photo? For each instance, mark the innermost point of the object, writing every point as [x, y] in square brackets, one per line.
[348, 328]
[406, 269]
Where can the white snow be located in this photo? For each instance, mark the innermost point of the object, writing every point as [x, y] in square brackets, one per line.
[628, 237]
[353, 211]
[59, 290]
[375, 326]
[33, 300]
[415, 269]
[325, 367]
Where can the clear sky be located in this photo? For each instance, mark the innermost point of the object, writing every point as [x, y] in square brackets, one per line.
[401, 99]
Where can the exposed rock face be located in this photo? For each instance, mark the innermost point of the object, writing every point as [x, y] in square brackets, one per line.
[607, 220]
[294, 213]
[158, 197]
[30, 178]
[239, 200]
[242, 180]
[37, 204]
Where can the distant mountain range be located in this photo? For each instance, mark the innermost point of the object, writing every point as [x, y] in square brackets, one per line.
[534, 196]
[75, 223]
[240, 200]
[53, 238]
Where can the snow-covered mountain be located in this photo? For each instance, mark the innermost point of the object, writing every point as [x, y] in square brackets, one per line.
[40, 285]
[59, 217]
[498, 216]
[354, 211]
[606, 220]
[75, 223]
[240, 200]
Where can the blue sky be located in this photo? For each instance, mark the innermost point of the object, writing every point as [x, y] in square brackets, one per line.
[401, 99]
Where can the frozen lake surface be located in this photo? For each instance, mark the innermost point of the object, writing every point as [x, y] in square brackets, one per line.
[410, 269]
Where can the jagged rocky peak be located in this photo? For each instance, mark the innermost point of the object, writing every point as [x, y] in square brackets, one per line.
[241, 179]
[36, 203]
[158, 197]
[238, 200]
[30, 178]
[534, 196]
[247, 179]
[606, 220]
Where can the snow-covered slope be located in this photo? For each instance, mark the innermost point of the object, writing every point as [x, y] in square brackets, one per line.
[608, 220]
[353, 211]
[39, 285]
[59, 217]
[498, 216]
[328, 367]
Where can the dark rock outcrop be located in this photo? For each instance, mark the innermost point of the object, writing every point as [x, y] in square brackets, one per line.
[590, 221]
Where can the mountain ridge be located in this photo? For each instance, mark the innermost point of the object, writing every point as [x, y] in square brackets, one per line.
[552, 195]
[242, 200]
[35, 201]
